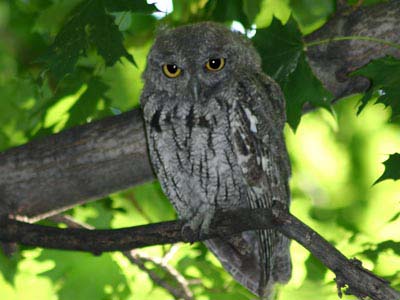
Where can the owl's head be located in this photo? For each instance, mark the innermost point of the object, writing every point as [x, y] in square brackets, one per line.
[193, 61]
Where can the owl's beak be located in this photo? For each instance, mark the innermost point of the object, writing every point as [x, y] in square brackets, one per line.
[194, 85]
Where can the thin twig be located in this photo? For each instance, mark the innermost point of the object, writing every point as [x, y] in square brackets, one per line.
[170, 253]
[70, 221]
[182, 290]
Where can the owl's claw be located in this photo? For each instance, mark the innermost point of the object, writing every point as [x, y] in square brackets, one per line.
[189, 236]
[198, 227]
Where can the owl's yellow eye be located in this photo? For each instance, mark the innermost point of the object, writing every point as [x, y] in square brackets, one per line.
[215, 64]
[171, 70]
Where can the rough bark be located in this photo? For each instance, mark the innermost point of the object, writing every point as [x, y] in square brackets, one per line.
[332, 61]
[77, 165]
[349, 273]
[46, 176]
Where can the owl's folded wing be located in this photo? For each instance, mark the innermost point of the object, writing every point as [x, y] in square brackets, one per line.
[257, 134]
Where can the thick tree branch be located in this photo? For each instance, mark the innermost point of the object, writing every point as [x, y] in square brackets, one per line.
[49, 175]
[349, 273]
[332, 60]
[98, 241]
[52, 174]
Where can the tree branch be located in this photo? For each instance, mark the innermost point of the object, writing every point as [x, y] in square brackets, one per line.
[349, 273]
[52, 174]
[332, 61]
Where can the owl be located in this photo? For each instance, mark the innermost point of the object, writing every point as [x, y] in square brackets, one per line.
[214, 124]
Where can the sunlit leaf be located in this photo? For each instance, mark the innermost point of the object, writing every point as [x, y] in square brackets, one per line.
[311, 14]
[150, 201]
[271, 9]
[86, 106]
[102, 283]
[98, 214]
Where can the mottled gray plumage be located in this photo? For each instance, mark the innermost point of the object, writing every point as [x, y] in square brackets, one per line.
[215, 140]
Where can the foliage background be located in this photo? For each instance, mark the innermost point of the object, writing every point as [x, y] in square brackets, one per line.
[49, 83]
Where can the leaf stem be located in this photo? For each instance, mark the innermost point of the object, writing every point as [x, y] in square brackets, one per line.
[355, 38]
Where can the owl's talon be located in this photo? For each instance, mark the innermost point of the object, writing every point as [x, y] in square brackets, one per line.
[189, 235]
[198, 228]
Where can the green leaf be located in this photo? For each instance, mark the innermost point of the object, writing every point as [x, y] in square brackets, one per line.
[224, 10]
[9, 266]
[89, 25]
[104, 276]
[364, 2]
[384, 74]
[301, 87]
[98, 214]
[150, 201]
[271, 9]
[142, 29]
[283, 58]
[87, 105]
[394, 218]
[106, 37]
[251, 8]
[315, 269]
[280, 47]
[376, 250]
[138, 6]
[311, 14]
[392, 168]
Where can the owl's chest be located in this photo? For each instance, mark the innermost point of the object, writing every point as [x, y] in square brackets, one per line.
[194, 157]
[201, 144]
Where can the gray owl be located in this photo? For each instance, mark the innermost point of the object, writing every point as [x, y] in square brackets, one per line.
[214, 126]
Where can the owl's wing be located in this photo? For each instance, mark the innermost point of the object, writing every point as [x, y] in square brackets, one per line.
[257, 135]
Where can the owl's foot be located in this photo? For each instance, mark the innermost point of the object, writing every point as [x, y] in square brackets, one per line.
[198, 227]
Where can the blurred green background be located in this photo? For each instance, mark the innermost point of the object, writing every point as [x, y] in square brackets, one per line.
[336, 158]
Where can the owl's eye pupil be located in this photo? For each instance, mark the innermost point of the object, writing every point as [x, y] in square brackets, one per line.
[172, 68]
[215, 64]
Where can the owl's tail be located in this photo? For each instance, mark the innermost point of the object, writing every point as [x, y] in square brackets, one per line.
[240, 256]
